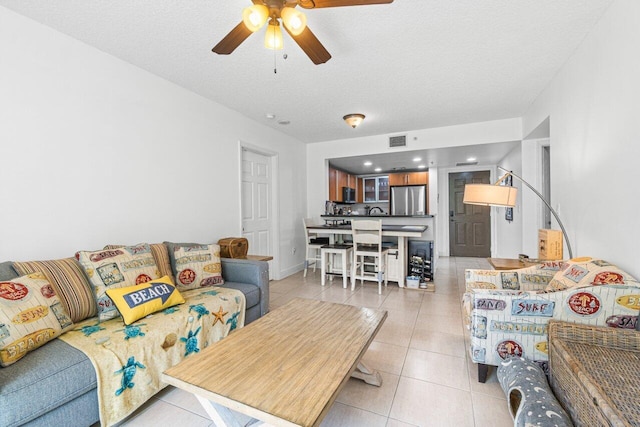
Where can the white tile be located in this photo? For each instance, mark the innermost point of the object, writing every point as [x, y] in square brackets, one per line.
[341, 415]
[385, 357]
[489, 411]
[368, 397]
[395, 423]
[394, 333]
[427, 404]
[182, 399]
[450, 371]
[437, 342]
[158, 412]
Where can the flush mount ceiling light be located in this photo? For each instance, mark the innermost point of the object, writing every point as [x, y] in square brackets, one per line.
[417, 159]
[368, 163]
[295, 22]
[354, 120]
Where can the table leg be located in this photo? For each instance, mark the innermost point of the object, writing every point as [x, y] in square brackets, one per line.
[225, 417]
[323, 268]
[402, 260]
[368, 375]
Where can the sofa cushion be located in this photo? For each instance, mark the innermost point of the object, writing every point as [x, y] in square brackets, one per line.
[7, 272]
[70, 283]
[117, 268]
[251, 292]
[44, 380]
[195, 265]
[31, 314]
[136, 302]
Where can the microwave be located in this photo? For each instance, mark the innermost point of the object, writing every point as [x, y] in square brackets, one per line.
[348, 195]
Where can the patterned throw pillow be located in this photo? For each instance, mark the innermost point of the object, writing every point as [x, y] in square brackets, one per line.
[70, 283]
[136, 302]
[30, 315]
[117, 268]
[195, 265]
[586, 271]
[160, 254]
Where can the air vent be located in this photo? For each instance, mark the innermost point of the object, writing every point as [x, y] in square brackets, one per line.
[398, 141]
[466, 163]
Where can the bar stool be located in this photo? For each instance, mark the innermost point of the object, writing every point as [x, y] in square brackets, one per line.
[328, 253]
[313, 243]
[370, 257]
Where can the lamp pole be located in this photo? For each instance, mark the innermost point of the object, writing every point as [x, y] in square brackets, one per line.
[553, 212]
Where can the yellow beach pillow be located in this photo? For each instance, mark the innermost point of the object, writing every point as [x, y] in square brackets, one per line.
[136, 302]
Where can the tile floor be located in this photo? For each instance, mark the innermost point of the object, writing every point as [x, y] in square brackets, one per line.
[420, 351]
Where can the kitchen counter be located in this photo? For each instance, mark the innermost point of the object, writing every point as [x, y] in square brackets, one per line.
[387, 230]
[349, 217]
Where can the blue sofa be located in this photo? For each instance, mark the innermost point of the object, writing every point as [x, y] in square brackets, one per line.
[56, 383]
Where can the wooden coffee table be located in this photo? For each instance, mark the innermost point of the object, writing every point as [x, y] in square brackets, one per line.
[284, 369]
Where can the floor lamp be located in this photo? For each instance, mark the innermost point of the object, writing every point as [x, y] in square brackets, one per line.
[500, 195]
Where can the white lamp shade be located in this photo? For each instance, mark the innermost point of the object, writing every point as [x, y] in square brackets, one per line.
[254, 17]
[490, 195]
[273, 37]
[294, 20]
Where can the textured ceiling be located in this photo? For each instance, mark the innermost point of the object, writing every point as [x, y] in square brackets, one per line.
[412, 64]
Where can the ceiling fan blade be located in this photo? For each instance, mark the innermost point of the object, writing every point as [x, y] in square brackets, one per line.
[232, 40]
[315, 4]
[310, 44]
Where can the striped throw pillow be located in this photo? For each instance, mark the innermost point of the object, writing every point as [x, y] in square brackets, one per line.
[69, 282]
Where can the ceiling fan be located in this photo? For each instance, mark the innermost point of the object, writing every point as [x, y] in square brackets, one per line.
[295, 22]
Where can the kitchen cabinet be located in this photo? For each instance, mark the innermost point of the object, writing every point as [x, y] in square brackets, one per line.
[376, 189]
[394, 272]
[409, 178]
[337, 180]
[333, 185]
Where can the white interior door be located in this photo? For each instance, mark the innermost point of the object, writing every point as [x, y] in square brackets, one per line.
[256, 202]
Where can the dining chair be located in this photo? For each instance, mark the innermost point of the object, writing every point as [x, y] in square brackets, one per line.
[370, 258]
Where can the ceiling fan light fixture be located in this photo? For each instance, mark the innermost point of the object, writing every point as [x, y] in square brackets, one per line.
[254, 17]
[354, 120]
[294, 20]
[273, 37]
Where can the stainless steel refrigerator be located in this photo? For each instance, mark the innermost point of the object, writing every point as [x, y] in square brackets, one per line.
[408, 200]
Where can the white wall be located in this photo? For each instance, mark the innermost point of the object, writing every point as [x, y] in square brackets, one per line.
[595, 138]
[509, 243]
[97, 151]
[450, 136]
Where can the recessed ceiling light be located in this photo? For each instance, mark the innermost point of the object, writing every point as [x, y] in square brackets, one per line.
[283, 122]
[270, 116]
[471, 159]
[377, 169]
[417, 159]
[368, 163]
[421, 166]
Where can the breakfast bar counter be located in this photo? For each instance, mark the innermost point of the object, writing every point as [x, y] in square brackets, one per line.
[399, 231]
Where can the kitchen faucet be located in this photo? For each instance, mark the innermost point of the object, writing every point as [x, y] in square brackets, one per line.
[374, 208]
